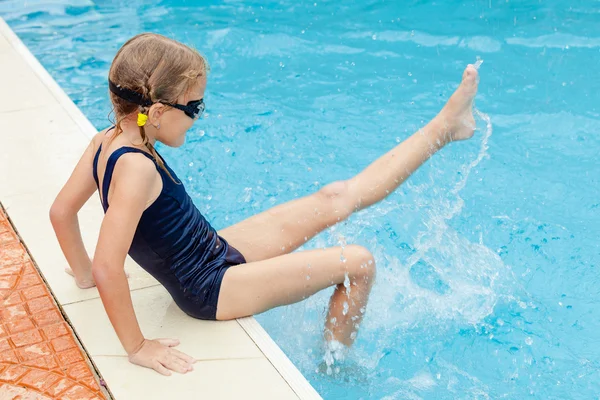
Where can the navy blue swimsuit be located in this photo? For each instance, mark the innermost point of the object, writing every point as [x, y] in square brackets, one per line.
[175, 244]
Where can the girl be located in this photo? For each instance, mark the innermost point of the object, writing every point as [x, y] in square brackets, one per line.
[156, 88]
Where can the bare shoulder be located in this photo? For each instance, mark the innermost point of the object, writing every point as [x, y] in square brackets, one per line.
[135, 171]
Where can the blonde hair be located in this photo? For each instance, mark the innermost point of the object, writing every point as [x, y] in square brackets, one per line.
[159, 69]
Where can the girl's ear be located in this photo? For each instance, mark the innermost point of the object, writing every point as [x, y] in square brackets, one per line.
[155, 113]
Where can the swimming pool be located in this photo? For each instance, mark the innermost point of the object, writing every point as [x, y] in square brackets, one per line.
[487, 283]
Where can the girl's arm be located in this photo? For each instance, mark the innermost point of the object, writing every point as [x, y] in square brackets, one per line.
[63, 215]
[133, 179]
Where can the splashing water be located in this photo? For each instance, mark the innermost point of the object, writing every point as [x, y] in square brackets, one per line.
[447, 282]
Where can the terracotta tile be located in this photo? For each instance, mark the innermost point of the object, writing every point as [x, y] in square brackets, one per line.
[29, 280]
[69, 357]
[12, 312]
[47, 317]
[2, 368]
[30, 268]
[13, 373]
[12, 254]
[4, 345]
[12, 299]
[63, 343]
[9, 357]
[60, 386]
[8, 281]
[91, 382]
[34, 291]
[26, 338]
[7, 238]
[47, 362]
[19, 325]
[38, 379]
[3, 331]
[78, 371]
[78, 392]
[14, 269]
[55, 330]
[34, 351]
[40, 304]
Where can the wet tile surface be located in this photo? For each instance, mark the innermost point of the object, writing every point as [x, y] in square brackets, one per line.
[39, 357]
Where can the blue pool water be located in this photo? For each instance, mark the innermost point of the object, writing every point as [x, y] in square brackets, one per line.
[488, 256]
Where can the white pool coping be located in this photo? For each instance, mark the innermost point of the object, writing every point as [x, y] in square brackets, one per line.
[43, 134]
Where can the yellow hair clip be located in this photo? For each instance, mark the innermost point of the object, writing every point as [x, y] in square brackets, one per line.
[142, 118]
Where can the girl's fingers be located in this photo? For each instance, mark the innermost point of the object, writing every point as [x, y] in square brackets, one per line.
[158, 367]
[183, 356]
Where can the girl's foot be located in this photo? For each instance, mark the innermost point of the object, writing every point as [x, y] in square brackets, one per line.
[457, 114]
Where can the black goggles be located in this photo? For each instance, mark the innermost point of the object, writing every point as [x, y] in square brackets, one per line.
[192, 109]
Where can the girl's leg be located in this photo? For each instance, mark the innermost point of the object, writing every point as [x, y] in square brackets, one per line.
[284, 228]
[255, 287]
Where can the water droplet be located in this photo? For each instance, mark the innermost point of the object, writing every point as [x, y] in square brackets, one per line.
[346, 307]
[191, 164]
[529, 341]
[374, 37]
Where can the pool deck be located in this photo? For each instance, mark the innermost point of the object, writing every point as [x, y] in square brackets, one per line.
[64, 329]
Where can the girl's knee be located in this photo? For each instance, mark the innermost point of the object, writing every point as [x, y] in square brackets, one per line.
[363, 262]
[335, 197]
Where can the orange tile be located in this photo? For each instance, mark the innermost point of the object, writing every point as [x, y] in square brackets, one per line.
[63, 343]
[12, 299]
[47, 317]
[38, 379]
[8, 237]
[14, 269]
[12, 312]
[26, 338]
[37, 346]
[78, 392]
[34, 291]
[13, 373]
[60, 386]
[29, 280]
[47, 362]
[78, 371]
[34, 351]
[55, 330]
[8, 281]
[19, 325]
[5, 345]
[69, 357]
[12, 253]
[9, 357]
[40, 304]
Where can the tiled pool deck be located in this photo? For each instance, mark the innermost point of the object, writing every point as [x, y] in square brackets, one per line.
[42, 135]
[40, 358]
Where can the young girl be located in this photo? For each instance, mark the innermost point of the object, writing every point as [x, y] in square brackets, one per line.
[157, 88]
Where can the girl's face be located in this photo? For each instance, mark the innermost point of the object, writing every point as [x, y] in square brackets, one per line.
[174, 123]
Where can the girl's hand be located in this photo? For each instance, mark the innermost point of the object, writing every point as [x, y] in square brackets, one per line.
[85, 282]
[160, 355]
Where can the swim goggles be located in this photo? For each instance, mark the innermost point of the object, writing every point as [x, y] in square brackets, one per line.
[192, 109]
